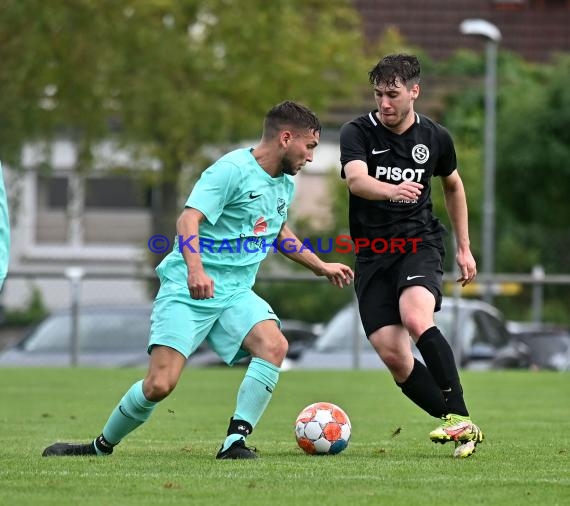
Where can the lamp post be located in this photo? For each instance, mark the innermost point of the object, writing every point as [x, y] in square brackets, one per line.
[492, 35]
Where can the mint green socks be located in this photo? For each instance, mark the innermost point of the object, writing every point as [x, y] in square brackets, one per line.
[253, 397]
[131, 412]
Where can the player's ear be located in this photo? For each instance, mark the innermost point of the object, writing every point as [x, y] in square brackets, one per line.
[285, 137]
[415, 91]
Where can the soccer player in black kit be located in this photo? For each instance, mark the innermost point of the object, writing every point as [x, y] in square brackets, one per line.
[388, 158]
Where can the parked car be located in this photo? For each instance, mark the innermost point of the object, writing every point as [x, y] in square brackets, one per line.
[535, 346]
[475, 329]
[115, 336]
[109, 336]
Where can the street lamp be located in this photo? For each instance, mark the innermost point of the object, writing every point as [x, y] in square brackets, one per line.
[492, 35]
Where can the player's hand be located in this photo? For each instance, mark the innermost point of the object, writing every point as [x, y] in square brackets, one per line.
[338, 274]
[408, 191]
[201, 285]
[467, 267]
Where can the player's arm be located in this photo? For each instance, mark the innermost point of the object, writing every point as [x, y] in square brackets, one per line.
[363, 185]
[456, 205]
[338, 274]
[201, 286]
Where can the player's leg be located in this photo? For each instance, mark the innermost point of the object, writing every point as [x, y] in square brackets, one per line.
[177, 329]
[165, 367]
[134, 408]
[417, 305]
[376, 287]
[175, 333]
[268, 347]
[252, 319]
[392, 343]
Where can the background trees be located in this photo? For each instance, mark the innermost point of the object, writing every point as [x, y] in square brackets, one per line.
[166, 77]
[533, 146]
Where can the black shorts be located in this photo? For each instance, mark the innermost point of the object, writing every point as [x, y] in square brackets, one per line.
[379, 282]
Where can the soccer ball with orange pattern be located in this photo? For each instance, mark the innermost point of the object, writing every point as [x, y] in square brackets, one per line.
[322, 428]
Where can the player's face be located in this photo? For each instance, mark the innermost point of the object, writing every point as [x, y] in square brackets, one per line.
[299, 147]
[396, 105]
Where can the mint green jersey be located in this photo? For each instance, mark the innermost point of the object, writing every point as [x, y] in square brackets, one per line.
[245, 209]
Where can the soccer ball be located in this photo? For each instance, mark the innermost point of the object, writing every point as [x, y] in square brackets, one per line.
[322, 428]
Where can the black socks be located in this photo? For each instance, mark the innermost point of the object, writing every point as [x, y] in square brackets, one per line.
[239, 427]
[103, 445]
[440, 362]
[421, 389]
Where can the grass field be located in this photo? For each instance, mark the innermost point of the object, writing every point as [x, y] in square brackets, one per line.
[524, 460]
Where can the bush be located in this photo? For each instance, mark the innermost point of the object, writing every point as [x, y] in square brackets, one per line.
[34, 311]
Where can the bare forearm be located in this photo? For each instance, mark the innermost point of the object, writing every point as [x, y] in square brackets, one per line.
[367, 187]
[338, 274]
[291, 247]
[188, 230]
[456, 204]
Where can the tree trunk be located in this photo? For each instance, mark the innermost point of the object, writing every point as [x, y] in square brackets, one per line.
[165, 211]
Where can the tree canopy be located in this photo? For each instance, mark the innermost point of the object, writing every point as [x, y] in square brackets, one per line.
[166, 78]
[168, 75]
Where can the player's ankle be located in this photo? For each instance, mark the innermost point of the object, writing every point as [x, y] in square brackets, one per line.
[102, 446]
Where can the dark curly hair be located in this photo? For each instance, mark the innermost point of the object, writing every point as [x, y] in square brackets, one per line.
[402, 67]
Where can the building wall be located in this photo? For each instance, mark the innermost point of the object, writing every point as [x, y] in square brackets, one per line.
[535, 29]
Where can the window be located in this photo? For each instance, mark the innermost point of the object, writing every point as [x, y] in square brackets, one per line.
[115, 193]
[52, 192]
[116, 210]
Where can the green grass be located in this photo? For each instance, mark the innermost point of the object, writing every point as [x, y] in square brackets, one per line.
[170, 460]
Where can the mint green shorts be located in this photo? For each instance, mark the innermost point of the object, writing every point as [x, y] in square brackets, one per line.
[183, 323]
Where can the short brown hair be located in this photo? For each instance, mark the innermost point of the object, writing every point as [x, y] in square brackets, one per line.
[292, 115]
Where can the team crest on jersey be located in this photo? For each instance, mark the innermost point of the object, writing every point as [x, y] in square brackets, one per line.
[420, 153]
[281, 206]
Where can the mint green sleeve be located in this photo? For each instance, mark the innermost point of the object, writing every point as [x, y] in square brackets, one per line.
[4, 230]
[217, 185]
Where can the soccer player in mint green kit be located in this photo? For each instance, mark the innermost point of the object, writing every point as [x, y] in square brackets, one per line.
[235, 213]
[4, 231]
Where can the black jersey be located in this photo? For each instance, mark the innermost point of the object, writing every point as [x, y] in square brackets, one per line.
[421, 152]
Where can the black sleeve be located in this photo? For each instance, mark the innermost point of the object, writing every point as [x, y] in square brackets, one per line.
[352, 145]
[447, 161]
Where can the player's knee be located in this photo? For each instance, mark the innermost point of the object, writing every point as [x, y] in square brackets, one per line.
[276, 349]
[157, 388]
[393, 360]
[416, 325]
[281, 348]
